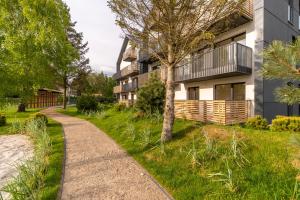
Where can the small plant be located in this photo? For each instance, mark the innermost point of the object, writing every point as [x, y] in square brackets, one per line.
[257, 122]
[2, 119]
[296, 192]
[146, 134]
[87, 103]
[194, 155]
[226, 178]
[130, 131]
[211, 149]
[120, 107]
[17, 127]
[236, 149]
[40, 117]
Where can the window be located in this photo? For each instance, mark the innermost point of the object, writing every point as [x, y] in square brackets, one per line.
[290, 10]
[294, 39]
[193, 93]
[235, 92]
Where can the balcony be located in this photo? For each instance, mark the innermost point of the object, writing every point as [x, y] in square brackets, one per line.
[144, 78]
[129, 87]
[236, 19]
[229, 60]
[117, 89]
[130, 55]
[130, 70]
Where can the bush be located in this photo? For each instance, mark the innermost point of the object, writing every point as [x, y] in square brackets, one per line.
[257, 122]
[106, 100]
[120, 107]
[104, 106]
[2, 120]
[151, 97]
[284, 123]
[87, 103]
[40, 117]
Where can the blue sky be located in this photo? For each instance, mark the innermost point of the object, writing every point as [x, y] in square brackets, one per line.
[96, 22]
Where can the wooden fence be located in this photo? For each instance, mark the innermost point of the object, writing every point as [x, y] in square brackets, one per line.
[47, 100]
[222, 112]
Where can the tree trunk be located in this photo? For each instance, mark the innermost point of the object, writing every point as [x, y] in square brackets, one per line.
[169, 106]
[168, 123]
[65, 94]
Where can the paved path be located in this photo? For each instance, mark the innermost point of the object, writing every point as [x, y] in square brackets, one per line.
[96, 167]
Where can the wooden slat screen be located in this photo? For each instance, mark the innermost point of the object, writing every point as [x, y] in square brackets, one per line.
[221, 112]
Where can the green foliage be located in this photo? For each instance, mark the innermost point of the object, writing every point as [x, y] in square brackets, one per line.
[87, 103]
[120, 107]
[33, 44]
[31, 175]
[284, 123]
[257, 122]
[40, 117]
[150, 98]
[281, 61]
[2, 119]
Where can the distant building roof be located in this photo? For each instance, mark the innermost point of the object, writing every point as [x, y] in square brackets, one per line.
[50, 90]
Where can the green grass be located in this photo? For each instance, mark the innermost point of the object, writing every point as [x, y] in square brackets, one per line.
[56, 158]
[192, 166]
[12, 115]
[53, 175]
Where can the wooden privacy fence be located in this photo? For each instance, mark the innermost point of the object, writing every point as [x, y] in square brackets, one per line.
[45, 98]
[222, 112]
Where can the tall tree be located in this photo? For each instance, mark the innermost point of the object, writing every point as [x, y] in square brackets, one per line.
[83, 69]
[77, 64]
[101, 84]
[282, 62]
[33, 40]
[171, 30]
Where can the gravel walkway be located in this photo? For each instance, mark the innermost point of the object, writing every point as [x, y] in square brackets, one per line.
[14, 150]
[97, 168]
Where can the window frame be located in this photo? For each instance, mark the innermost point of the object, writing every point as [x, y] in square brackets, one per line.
[231, 90]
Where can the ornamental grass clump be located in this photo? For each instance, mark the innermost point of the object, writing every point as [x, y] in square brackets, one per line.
[31, 177]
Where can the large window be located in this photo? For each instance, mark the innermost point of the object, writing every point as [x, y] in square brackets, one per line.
[235, 91]
[193, 93]
[290, 10]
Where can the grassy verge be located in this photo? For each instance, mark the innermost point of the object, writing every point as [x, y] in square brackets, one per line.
[40, 177]
[13, 116]
[206, 161]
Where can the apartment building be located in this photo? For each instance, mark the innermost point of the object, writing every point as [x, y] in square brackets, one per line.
[222, 83]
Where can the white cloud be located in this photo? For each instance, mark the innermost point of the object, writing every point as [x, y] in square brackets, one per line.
[96, 21]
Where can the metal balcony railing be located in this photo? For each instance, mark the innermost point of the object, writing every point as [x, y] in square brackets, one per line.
[225, 61]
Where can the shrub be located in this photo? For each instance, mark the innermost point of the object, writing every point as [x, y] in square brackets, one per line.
[257, 122]
[104, 106]
[87, 103]
[120, 107]
[40, 117]
[2, 119]
[284, 123]
[150, 98]
[106, 100]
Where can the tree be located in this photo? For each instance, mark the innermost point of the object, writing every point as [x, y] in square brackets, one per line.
[78, 64]
[101, 84]
[170, 30]
[150, 98]
[33, 42]
[282, 61]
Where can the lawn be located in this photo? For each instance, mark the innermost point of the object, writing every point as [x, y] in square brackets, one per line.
[52, 177]
[206, 161]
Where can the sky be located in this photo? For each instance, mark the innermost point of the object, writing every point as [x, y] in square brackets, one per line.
[97, 23]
